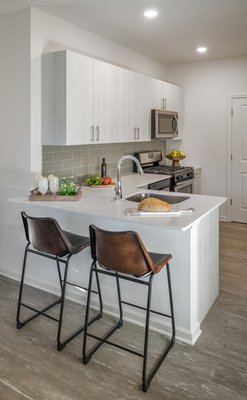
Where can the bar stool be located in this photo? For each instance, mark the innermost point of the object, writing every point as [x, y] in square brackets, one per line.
[45, 238]
[123, 255]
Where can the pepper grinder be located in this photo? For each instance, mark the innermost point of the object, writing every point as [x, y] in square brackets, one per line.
[103, 168]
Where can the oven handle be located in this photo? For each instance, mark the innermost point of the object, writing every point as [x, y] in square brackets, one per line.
[185, 183]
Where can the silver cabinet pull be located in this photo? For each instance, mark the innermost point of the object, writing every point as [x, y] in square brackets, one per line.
[163, 102]
[134, 133]
[138, 133]
[97, 133]
[92, 133]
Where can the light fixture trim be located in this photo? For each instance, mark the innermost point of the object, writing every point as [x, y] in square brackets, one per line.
[201, 49]
[151, 13]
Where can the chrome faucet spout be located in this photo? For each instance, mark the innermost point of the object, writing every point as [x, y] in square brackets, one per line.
[118, 188]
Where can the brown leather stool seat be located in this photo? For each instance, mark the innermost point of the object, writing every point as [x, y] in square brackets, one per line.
[46, 239]
[123, 255]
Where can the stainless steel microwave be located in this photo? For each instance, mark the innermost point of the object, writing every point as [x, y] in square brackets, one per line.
[164, 124]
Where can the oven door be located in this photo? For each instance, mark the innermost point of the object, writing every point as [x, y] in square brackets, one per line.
[185, 186]
[163, 185]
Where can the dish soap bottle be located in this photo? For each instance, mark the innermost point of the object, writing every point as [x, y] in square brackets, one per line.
[103, 168]
[63, 187]
[71, 189]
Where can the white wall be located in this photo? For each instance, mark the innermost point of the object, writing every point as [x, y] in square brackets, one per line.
[24, 36]
[206, 87]
[50, 33]
[15, 99]
[15, 155]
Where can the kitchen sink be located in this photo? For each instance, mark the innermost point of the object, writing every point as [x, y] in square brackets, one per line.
[172, 199]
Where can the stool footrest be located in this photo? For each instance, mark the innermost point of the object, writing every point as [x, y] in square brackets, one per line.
[116, 345]
[101, 341]
[61, 345]
[144, 309]
[38, 312]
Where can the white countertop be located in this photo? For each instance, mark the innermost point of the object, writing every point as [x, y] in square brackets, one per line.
[100, 202]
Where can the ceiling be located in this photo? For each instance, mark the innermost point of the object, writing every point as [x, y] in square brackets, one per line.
[172, 37]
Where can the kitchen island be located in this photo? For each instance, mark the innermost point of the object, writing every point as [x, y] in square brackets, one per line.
[193, 241]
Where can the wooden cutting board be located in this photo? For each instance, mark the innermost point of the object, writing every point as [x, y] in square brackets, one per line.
[36, 196]
[137, 213]
[112, 185]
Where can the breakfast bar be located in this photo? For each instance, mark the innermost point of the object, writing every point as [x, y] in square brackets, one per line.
[193, 241]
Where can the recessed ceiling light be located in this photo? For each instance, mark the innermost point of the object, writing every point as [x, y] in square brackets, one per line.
[201, 49]
[151, 13]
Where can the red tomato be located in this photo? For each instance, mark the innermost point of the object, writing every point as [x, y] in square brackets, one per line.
[107, 180]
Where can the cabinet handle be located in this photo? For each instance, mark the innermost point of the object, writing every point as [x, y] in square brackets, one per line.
[134, 133]
[97, 133]
[92, 133]
[138, 131]
[163, 102]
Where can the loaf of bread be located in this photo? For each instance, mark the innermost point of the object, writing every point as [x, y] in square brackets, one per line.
[152, 204]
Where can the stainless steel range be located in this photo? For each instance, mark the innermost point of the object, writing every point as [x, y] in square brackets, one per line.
[182, 178]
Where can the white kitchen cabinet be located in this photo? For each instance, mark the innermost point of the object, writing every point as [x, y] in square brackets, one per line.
[87, 101]
[67, 98]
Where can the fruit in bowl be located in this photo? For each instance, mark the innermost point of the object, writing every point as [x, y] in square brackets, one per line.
[175, 156]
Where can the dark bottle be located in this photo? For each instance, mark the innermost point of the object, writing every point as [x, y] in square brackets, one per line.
[63, 187]
[71, 189]
[103, 168]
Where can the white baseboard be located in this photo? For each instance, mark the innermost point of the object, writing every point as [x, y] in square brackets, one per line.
[134, 316]
[224, 218]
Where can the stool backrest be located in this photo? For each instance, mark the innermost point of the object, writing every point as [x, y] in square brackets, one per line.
[120, 251]
[45, 235]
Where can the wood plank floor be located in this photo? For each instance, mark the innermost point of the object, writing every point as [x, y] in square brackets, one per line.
[215, 368]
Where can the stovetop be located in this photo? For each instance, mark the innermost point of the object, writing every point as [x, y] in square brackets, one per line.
[150, 162]
[167, 170]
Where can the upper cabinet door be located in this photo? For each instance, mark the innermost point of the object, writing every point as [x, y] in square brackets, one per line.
[79, 99]
[67, 98]
[124, 103]
[104, 102]
[159, 93]
[141, 108]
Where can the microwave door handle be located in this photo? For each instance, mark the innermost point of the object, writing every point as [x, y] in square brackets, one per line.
[175, 126]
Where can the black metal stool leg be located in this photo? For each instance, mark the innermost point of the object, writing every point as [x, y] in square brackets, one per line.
[18, 322]
[37, 312]
[148, 377]
[171, 303]
[86, 357]
[119, 302]
[59, 274]
[100, 340]
[61, 345]
[145, 381]
[100, 314]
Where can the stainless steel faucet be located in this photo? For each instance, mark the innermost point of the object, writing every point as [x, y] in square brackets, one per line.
[118, 188]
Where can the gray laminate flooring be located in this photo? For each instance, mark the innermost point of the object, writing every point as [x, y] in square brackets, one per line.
[215, 368]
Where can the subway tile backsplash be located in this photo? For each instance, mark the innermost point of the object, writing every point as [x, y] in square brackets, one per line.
[85, 160]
